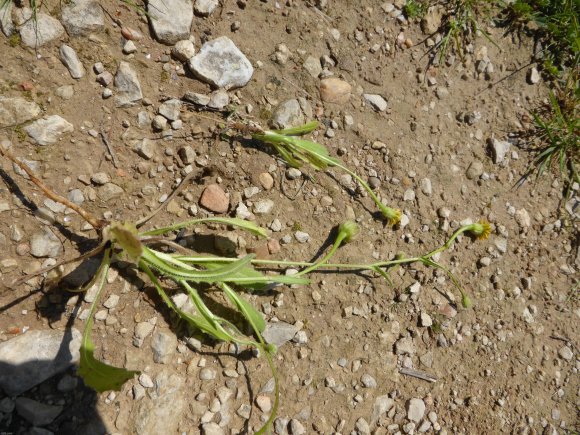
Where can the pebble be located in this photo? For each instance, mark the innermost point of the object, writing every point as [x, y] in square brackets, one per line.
[293, 173]
[170, 109]
[111, 302]
[426, 187]
[204, 8]
[69, 58]
[533, 76]
[474, 170]
[279, 333]
[499, 149]
[45, 244]
[142, 331]
[82, 17]
[334, 90]
[207, 374]
[405, 346]
[425, 320]
[159, 123]
[15, 111]
[266, 180]
[100, 178]
[31, 358]
[38, 31]
[264, 206]
[566, 353]
[6, 24]
[37, 413]
[183, 50]
[377, 102]
[211, 429]
[368, 381]
[220, 63]
[129, 47]
[48, 130]
[76, 196]
[415, 409]
[215, 199]
[264, 403]
[146, 381]
[244, 411]
[127, 83]
[105, 78]
[218, 100]
[296, 428]
[312, 66]
[409, 195]
[65, 92]
[522, 218]
[288, 114]
[163, 345]
[382, 405]
[171, 22]
[302, 237]
[67, 384]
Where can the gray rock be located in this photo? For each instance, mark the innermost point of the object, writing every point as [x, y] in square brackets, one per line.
[7, 405]
[76, 196]
[163, 345]
[171, 109]
[566, 353]
[211, 429]
[362, 427]
[81, 17]
[159, 124]
[142, 331]
[129, 47]
[312, 65]
[288, 114]
[6, 24]
[207, 374]
[183, 50]
[127, 83]
[381, 406]
[67, 383]
[162, 414]
[146, 148]
[45, 244]
[368, 381]
[474, 170]
[279, 333]
[66, 92]
[170, 21]
[296, 428]
[40, 31]
[70, 59]
[110, 191]
[431, 22]
[405, 346]
[48, 130]
[31, 358]
[14, 111]
[263, 206]
[195, 98]
[415, 409]
[146, 381]
[302, 237]
[377, 102]
[36, 413]
[221, 64]
[499, 149]
[204, 8]
[219, 99]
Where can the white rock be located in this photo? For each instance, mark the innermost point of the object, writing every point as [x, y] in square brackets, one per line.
[129, 47]
[205, 7]
[218, 100]
[69, 58]
[6, 24]
[14, 111]
[288, 114]
[170, 21]
[499, 149]
[376, 102]
[415, 409]
[533, 76]
[302, 237]
[127, 83]
[312, 65]
[81, 17]
[48, 130]
[221, 64]
[523, 218]
[66, 92]
[40, 31]
[183, 50]
[171, 109]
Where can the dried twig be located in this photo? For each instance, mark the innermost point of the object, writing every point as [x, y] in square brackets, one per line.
[105, 139]
[418, 374]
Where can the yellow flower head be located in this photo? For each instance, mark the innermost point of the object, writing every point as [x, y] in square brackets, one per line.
[393, 215]
[481, 230]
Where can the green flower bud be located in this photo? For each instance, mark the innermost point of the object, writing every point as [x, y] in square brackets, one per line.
[348, 230]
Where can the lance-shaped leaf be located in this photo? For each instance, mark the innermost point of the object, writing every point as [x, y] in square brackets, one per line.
[250, 313]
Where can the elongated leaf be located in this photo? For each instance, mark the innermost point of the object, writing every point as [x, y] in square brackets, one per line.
[236, 222]
[250, 313]
[299, 131]
[96, 374]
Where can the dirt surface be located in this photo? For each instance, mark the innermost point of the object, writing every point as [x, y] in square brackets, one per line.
[500, 366]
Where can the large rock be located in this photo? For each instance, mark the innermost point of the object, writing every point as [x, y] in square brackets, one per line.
[220, 63]
[6, 24]
[14, 111]
[80, 17]
[48, 130]
[161, 413]
[70, 59]
[128, 85]
[36, 413]
[31, 358]
[39, 31]
[171, 21]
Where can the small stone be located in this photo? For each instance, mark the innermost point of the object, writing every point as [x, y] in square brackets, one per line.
[36, 413]
[110, 191]
[105, 78]
[499, 149]
[405, 346]
[312, 65]
[171, 109]
[6, 24]
[211, 429]
[215, 199]
[409, 195]
[377, 102]
[142, 331]
[288, 114]
[523, 218]
[129, 47]
[474, 170]
[266, 180]
[100, 178]
[415, 410]
[65, 92]
[45, 244]
[431, 22]
[293, 173]
[82, 17]
[426, 320]
[204, 8]
[296, 428]
[159, 123]
[264, 206]
[426, 187]
[183, 50]
[111, 301]
[127, 83]
[368, 381]
[566, 353]
[67, 384]
[221, 64]
[264, 403]
[302, 237]
[334, 90]
[48, 130]
[382, 405]
[218, 100]
[163, 345]
[362, 427]
[198, 99]
[146, 381]
[279, 333]
[171, 22]
[533, 76]
[69, 58]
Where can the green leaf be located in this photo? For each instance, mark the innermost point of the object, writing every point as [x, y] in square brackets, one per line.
[250, 313]
[299, 131]
[96, 374]
[243, 224]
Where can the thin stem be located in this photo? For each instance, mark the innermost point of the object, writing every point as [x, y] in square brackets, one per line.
[97, 224]
[327, 257]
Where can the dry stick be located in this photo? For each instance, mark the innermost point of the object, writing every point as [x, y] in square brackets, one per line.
[105, 140]
[178, 189]
[97, 224]
[418, 374]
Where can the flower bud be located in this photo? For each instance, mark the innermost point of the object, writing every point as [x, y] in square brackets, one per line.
[349, 230]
